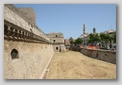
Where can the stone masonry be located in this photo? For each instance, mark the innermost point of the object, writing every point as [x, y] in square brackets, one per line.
[27, 50]
[108, 56]
[29, 13]
[58, 41]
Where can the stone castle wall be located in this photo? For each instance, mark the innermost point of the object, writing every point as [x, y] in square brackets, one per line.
[29, 13]
[109, 56]
[13, 15]
[57, 40]
[18, 12]
[31, 62]
[52, 35]
[27, 50]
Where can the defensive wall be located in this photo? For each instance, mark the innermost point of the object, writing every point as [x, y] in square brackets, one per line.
[31, 61]
[104, 55]
[29, 13]
[27, 50]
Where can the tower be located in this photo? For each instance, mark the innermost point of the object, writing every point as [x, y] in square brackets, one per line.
[94, 30]
[84, 29]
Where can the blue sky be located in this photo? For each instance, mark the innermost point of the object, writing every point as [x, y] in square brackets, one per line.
[69, 18]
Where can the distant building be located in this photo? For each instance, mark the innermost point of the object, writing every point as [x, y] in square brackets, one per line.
[84, 29]
[66, 42]
[58, 41]
[111, 33]
[84, 36]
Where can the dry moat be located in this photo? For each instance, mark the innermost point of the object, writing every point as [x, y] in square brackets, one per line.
[74, 65]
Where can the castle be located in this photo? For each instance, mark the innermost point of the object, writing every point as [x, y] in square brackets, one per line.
[27, 49]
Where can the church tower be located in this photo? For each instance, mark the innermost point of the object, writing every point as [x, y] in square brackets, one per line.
[94, 30]
[84, 29]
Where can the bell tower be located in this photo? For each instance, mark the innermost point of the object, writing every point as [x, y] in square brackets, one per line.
[84, 29]
[94, 30]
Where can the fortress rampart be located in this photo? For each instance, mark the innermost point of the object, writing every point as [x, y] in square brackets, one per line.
[27, 50]
[104, 55]
[12, 16]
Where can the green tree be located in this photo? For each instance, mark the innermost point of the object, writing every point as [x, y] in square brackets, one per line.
[78, 41]
[91, 38]
[106, 38]
[94, 38]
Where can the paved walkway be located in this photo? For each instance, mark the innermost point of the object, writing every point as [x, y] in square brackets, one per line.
[74, 65]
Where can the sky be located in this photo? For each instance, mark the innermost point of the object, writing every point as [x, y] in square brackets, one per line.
[69, 18]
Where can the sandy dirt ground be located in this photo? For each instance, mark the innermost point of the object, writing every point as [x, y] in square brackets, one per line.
[74, 65]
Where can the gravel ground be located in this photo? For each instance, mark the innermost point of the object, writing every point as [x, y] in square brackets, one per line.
[74, 65]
